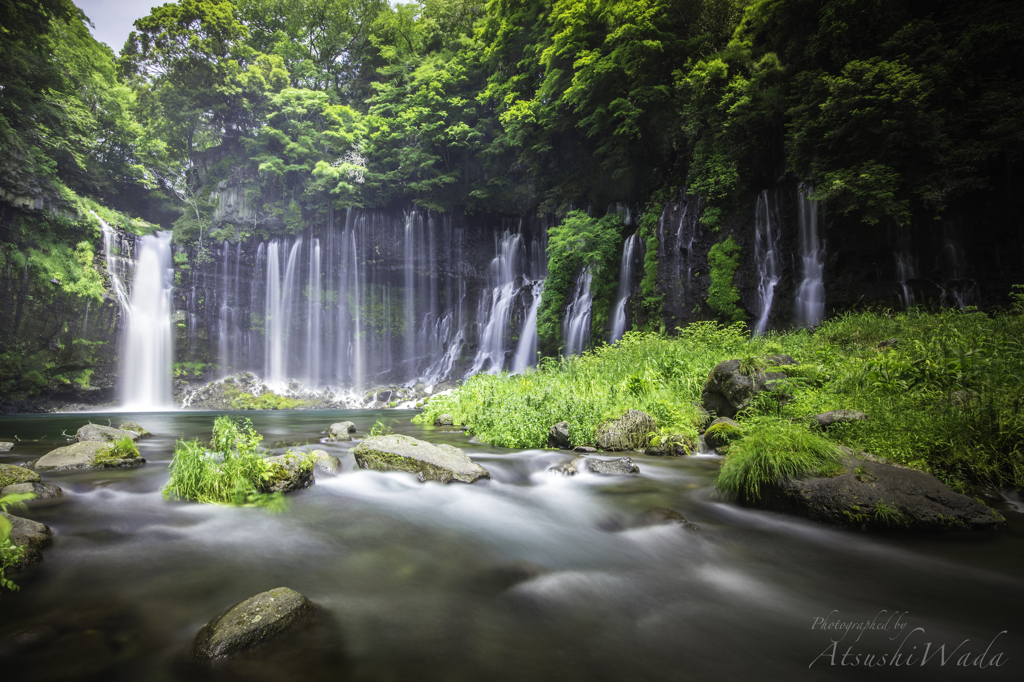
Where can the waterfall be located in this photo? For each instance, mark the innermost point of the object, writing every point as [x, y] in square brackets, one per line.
[222, 319]
[495, 316]
[810, 296]
[147, 355]
[281, 295]
[313, 311]
[576, 331]
[526, 350]
[765, 258]
[625, 281]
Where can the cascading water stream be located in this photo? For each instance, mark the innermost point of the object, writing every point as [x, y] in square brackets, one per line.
[765, 258]
[526, 350]
[625, 282]
[810, 295]
[576, 331]
[495, 315]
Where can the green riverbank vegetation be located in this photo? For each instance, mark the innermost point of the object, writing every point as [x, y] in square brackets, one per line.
[946, 397]
[10, 554]
[231, 471]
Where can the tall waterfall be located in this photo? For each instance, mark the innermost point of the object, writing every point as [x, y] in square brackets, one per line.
[810, 296]
[625, 282]
[146, 348]
[766, 225]
[576, 330]
[526, 350]
[494, 314]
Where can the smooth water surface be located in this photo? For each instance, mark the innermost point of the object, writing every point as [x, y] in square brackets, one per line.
[527, 576]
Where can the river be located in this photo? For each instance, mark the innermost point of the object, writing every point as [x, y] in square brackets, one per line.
[527, 576]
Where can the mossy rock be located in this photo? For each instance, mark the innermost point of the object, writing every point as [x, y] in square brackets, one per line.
[430, 462]
[31, 536]
[12, 475]
[87, 455]
[105, 434]
[722, 432]
[670, 445]
[135, 427]
[249, 623]
[291, 471]
[631, 431]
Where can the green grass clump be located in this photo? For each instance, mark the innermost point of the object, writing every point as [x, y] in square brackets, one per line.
[230, 472]
[120, 449]
[268, 400]
[772, 449]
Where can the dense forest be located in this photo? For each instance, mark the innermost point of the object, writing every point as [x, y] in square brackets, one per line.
[899, 114]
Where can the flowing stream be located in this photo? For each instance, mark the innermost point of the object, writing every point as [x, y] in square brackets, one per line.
[528, 575]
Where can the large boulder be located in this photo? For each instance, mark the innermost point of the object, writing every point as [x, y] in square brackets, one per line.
[250, 622]
[42, 491]
[869, 493]
[341, 431]
[11, 475]
[558, 436]
[292, 471]
[729, 388]
[104, 434]
[441, 463]
[31, 536]
[87, 455]
[327, 463]
[616, 467]
[827, 419]
[444, 420]
[631, 431]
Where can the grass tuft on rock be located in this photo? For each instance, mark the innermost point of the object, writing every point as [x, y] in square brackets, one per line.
[229, 472]
[124, 448]
[773, 449]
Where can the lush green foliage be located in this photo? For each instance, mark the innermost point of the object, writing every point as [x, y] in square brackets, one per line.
[230, 472]
[10, 554]
[772, 449]
[121, 449]
[723, 295]
[579, 244]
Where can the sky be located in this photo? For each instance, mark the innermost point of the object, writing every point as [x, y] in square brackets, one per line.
[113, 19]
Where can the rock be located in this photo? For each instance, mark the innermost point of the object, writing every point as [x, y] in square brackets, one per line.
[42, 491]
[721, 432]
[250, 622]
[135, 427]
[889, 343]
[631, 431]
[662, 515]
[5, 446]
[341, 431]
[441, 463]
[558, 436]
[827, 419]
[729, 390]
[11, 475]
[567, 469]
[584, 448]
[444, 420]
[293, 471]
[31, 536]
[670, 445]
[780, 360]
[103, 434]
[617, 467]
[322, 461]
[871, 494]
[84, 456]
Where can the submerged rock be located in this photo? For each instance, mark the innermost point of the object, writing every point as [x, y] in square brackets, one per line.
[827, 419]
[12, 475]
[87, 455]
[662, 515]
[872, 494]
[558, 436]
[293, 471]
[441, 463]
[729, 388]
[616, 467]
[567, 469]
[31, 536]
[327, 463]
[42, 491]
[341, 431]
[250, 622]
[631, 431]
[104, 434]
